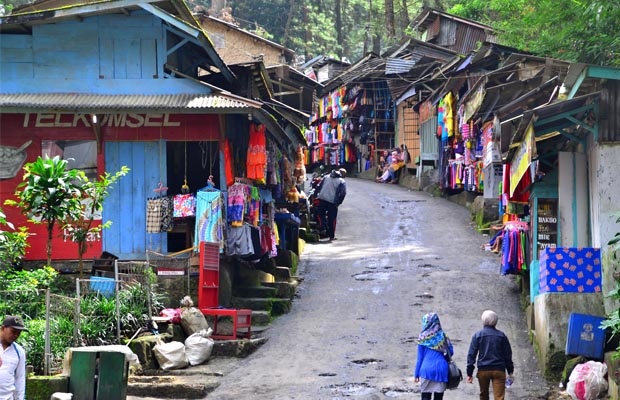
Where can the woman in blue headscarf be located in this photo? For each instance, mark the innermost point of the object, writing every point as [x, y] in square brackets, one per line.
[431, 367]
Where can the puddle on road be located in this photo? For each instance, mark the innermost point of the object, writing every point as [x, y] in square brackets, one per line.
[366, 361]
[372, 276]
[397, 392]
[353, 389]
[364, 389]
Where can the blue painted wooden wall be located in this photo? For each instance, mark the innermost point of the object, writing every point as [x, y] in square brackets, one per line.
[126, 204]
[59, 57]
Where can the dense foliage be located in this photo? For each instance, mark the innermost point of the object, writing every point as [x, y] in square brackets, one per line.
[572, 30]
[23, 293]
[312, 27]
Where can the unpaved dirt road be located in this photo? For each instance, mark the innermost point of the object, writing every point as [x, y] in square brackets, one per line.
[351, 333]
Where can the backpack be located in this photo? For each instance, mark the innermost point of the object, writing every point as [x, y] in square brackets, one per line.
[341, 192]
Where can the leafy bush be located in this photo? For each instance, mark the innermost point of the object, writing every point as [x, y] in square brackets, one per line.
[23, 295]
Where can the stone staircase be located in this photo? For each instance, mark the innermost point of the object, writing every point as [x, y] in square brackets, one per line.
[268, 301]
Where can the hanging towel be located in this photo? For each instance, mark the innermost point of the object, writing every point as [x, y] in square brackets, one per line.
[209, 218]
[153, 216]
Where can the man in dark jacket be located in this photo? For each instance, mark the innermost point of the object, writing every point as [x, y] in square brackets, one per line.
[331, 195]
[491, 348]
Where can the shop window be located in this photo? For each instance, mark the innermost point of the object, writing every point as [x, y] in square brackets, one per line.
[80, 154]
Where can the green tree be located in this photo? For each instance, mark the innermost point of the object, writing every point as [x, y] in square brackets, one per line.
[13, 242]
[49, 193]
[82, 230]
[541, 27]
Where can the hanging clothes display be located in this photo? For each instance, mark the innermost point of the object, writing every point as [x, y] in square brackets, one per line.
[184, 205]
[238, 195]
[209, 217]
[228, 162]
[256, 161]
[153, 215]
[514, 247]
[159, 212]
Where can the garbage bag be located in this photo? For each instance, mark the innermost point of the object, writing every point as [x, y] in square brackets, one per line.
[170, 355]
[198, 347]
[587, 381]
[192, 320]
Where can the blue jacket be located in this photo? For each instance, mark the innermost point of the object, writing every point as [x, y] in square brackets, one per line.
[432, 364]
[491, 348]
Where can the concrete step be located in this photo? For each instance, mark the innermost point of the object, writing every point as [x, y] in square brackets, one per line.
[257, 291]
[194, 382]
[282, 274]
[260, 318]
[166, 387]
[274, 306]
[284, 290]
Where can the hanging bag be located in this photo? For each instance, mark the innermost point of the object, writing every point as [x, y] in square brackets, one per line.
[455, 376]
[184, 205]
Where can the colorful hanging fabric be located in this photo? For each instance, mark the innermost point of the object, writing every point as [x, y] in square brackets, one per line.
[238, 195]
[257, 153]
[448, 116]
[209, 218]
[513, 247]
[184, 205]
[440, 120]
[228, 162]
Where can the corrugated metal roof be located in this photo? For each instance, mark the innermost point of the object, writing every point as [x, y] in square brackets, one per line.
[85, 102]
[399, 66]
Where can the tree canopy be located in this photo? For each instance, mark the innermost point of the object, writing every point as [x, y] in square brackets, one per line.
[572, 30]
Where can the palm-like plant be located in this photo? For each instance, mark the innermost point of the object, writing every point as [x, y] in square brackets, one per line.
[93, 195]
[49, 193]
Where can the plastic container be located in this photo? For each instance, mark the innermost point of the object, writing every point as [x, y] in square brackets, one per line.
[585, 337]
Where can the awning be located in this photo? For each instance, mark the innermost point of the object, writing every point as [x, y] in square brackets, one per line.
[220, 103]
[570, 120]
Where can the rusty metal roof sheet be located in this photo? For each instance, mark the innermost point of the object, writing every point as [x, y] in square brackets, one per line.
[84, 102]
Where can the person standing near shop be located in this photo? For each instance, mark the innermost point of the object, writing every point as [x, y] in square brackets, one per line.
[490, 351]
[13, 360]
[331, 195]
[432, 361]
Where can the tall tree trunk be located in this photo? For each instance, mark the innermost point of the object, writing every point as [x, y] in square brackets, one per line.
[367, 34]
[389, 18]
[50, 235]
[308, 34]
[403, 19]
[339, 35]
[287, 27]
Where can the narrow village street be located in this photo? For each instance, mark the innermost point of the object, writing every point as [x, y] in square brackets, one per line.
[351, 333]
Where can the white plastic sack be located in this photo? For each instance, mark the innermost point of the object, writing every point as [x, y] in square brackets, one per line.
[587, 381]
[170, 355]
[198, 347]
[192, 320]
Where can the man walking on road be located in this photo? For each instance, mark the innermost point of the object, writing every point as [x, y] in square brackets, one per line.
[13, 362]
[331, 195]
[491, 348]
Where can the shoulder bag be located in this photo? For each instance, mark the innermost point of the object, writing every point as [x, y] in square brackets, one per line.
[455, 376]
